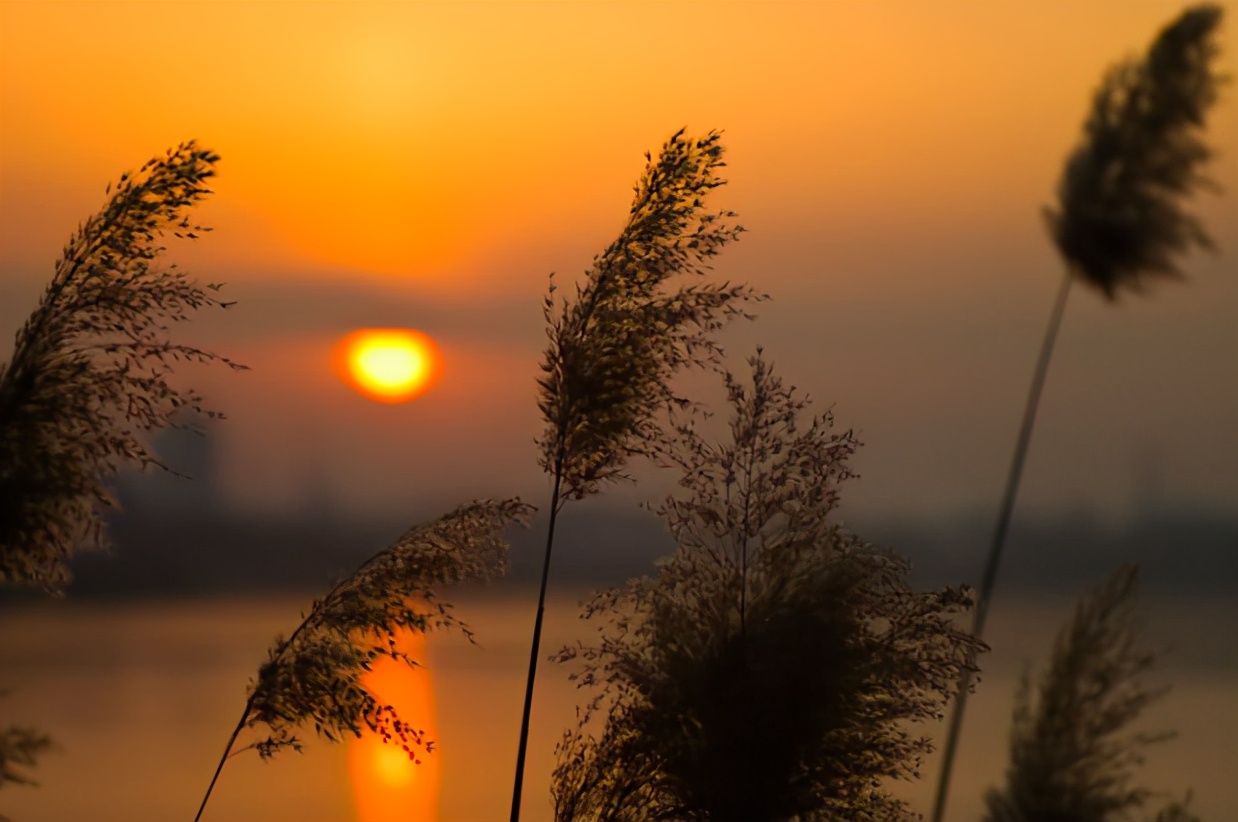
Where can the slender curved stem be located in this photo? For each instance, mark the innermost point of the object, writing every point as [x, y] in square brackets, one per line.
[227, 750]
[249, 703]
[999, 537]
[518, 787]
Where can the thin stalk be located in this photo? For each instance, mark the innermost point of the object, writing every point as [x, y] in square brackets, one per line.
[999, 536]
[240, 726]
[745, 535]
[518, 787]
[249, 703]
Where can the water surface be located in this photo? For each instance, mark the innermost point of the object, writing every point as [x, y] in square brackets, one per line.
[141, 698]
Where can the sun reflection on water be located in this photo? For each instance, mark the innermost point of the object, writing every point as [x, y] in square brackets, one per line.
[389, 784]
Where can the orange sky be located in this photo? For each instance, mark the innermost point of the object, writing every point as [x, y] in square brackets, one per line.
[427, 164]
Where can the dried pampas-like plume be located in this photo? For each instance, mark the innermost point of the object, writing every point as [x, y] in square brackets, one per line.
[20, 748]
[1120, 218]
[1120, 222]
[614, 348]
[771, 668]
[314, 676]
[90, 368]
[1068, 757]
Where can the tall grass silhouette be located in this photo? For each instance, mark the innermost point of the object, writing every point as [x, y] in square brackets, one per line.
[769, 669]
[313, 677]
[88, 376]
[1072, 754]
[614, 346]
[91, 366]
[1120, 223]
[20, 748]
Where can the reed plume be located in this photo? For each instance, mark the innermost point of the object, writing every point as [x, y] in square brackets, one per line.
[1120, 222]
[313, 677]
[769, 669]
[1071, 758]
[91, 366]
[613, 348]
[20, 748]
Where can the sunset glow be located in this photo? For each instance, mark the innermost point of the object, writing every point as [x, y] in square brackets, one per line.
[389, 365]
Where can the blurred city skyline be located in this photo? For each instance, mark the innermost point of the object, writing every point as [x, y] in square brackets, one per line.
[176, 536]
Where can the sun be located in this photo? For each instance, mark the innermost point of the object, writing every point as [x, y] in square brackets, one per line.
[390, 365]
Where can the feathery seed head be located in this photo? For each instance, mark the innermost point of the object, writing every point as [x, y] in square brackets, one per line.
[769, 667]
[1071, 753]
[90, 367]
[614, 346]
[1120, 219]
[314, 676]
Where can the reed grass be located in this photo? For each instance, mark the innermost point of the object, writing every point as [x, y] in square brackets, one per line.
[614, 346]
[1120, 223]
[1073, 756]
[313, 677]
[91, 367]
[770, 668]
[20, 748]
[89, 374]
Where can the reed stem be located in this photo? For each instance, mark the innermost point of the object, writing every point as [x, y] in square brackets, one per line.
[227, 750]
[518, 787]
[989, 579]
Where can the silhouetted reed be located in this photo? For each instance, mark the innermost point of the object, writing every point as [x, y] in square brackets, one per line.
[314, 676]
[1120, 221]
[769, 669]
[615, 345]
[91, 366]
[1072, 755]
[20, 748]
[88, 375]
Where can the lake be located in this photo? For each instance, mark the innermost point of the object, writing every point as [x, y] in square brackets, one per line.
[141, 697]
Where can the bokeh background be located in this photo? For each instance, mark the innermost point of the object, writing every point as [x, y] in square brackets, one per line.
[429, 164]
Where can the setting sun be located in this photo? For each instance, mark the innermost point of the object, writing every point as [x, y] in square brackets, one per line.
[389, 365]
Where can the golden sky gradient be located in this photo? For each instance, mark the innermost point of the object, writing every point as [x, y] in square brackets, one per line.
[413, 139]
[427, 164]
